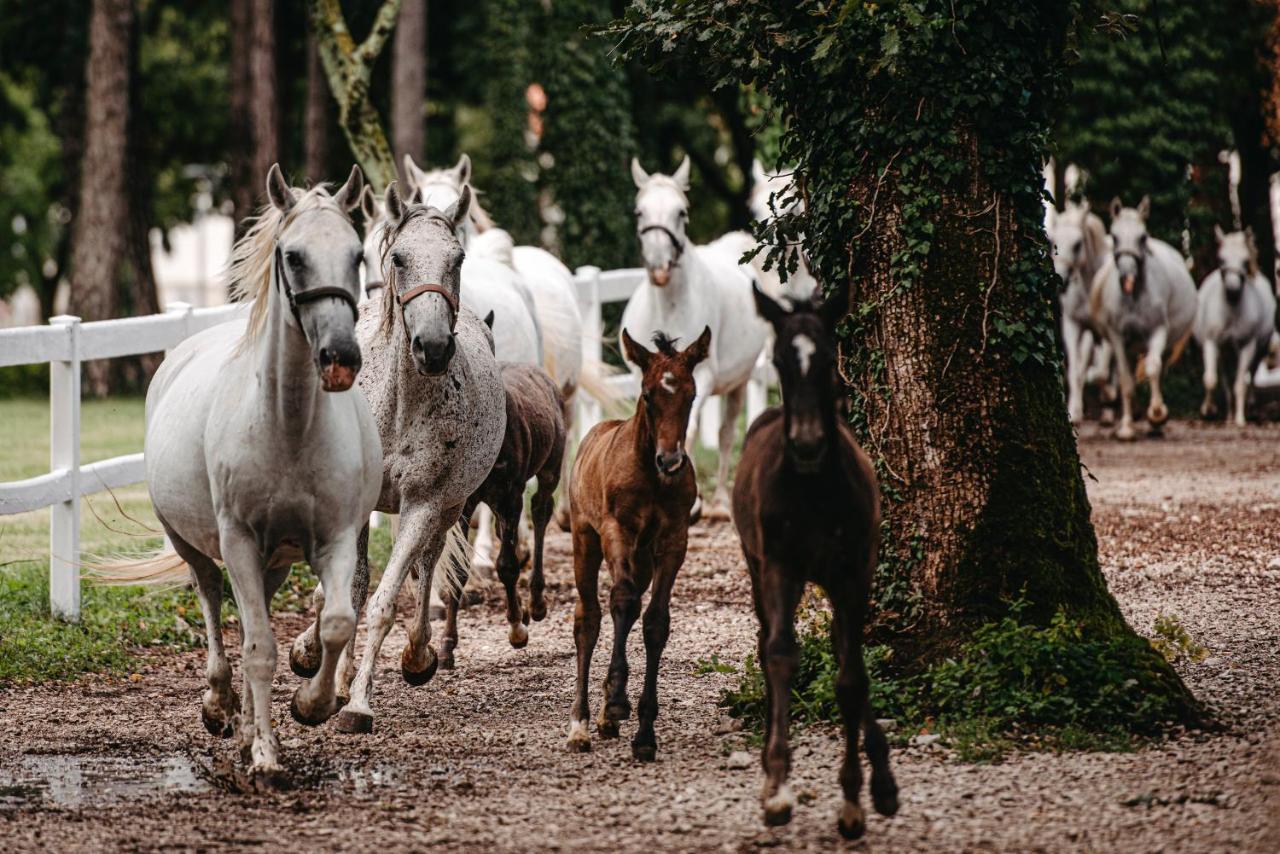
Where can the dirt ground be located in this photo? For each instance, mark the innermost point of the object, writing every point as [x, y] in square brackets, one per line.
[476, 759]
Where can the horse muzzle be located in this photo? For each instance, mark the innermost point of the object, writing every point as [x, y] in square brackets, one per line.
[660, 276]
[670, 463]
[338, 367]
[432, 357]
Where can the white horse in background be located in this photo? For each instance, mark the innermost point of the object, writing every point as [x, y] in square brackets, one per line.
[1080, 248]
[259, 455]
[688, 289]
[1236, 311]
[1143, 295]
[433, 384]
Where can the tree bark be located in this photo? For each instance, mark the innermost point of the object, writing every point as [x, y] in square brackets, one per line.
[315, 134]
[100, 227]
[409, 81]
[348, 67]
[239, 98]
[264, 121]
[142, 296]
[1249, 131]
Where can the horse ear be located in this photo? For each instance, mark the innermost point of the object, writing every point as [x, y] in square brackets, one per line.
[766, 306]
[394, 204]
[463, 169]
[636, 353]
[368, 204]
[411, 171]
[698, 350]
[681, 175]
[457, 212]
[1218, 234]
[1144, 207]
[757, 171]
[278, 191]
[638, 175]
[1116, 207]
[835, 307]
[488, 320]
[351, 192]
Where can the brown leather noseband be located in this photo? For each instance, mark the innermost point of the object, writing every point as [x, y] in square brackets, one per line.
[413, 293]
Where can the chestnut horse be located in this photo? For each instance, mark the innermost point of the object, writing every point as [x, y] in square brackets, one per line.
[807, 508]
[532, 447]
[632, 489]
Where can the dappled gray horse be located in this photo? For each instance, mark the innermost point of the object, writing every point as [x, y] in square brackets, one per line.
[1143, 296]
[1236, 311]
[433, 384]
[1080, 248]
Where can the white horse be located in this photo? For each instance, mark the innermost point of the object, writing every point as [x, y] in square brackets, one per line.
[433, 384]
[688, 289]
[1080, 248]
[258, 454]
[1237, 310]
[1142, 294]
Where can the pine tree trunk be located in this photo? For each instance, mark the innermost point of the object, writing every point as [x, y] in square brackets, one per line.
[409, 81]
[100, 226]
[315, 132]
[143, 296]
[239, 98]
[1255, 183]
[263, 120]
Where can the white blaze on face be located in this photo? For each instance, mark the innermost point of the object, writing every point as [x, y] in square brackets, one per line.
[668, 383]
[805, 348]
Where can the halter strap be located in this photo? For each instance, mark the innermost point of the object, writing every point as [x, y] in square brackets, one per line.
[413, 293]
[297, 298]
[676, 242]
[1132, 253]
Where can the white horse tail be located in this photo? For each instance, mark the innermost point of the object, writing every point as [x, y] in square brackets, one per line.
[453, 565]
[593, 379]
[162, 567]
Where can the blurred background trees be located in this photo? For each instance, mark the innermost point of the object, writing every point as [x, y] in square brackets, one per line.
[550, 114]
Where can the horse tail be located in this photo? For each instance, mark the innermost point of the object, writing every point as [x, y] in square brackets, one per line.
[453, 565]
[1096, 287]
[1178, 348]
[160, 568]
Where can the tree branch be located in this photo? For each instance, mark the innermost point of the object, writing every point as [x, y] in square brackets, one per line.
[383, 24]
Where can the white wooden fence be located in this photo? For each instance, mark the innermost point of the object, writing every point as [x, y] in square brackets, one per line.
[67, 342]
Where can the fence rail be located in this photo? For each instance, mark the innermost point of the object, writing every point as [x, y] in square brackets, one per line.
[66, 342]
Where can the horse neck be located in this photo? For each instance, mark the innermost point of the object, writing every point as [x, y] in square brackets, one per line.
[290, 387]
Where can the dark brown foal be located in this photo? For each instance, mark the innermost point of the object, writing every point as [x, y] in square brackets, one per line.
[807, 508]
[629, 501]
[533, 446]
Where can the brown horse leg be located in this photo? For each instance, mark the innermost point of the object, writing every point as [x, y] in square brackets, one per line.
[586, 628]
[657, 628]
[449, 642]
[779, 655]
[540, 509]
[624, 608]
[508, 513]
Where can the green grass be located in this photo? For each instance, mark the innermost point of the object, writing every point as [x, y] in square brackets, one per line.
[115, 622]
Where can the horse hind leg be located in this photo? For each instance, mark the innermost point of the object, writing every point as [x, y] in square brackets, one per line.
[587, 556]
[418, 660]
[509, 565]
[220, 703]
[733, 401]
[540, 509]
[305, 652]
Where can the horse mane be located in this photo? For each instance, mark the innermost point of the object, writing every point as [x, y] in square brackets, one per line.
[249, 271]
[666, 345]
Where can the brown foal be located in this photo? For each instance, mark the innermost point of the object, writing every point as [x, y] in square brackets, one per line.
[533, 447]
[807, 508]
[629, 500]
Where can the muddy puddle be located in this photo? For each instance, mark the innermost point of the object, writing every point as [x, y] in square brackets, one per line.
[80, 780]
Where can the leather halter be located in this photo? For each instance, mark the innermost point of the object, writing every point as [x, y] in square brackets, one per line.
[297, 298]
[676, 242]
[413, 293]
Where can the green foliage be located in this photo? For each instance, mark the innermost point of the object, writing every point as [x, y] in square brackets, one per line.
[707, 666]
[31, 223]
[587, 138]
[1174, 643]
[1061, 686]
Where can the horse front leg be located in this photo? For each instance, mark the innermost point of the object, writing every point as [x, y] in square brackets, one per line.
[779, 657]
[380, 613]
[587, 556]
[509, 565]
[1244, 365]
[1072, 339]
[631, 573]
[1125, 431]
[657, 629]
[315, 700]
[1208, 407]
[540, 508]
[257, 645]
[728, 430]
[218, 709]
[1157, 412]
[418, 660]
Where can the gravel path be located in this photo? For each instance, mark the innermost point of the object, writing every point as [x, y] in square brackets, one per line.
[476, 759]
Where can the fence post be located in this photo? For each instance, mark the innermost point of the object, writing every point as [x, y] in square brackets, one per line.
[64, 454]
[588, 281]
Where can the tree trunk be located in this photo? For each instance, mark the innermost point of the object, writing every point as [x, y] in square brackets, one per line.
[1249, 131]
[263, 120]
[99, 239]
[315, 132]
[239, 98]
[142, 297]
[348, 67]
[409, 81]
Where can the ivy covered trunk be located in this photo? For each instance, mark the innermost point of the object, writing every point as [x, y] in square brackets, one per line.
[918, 131]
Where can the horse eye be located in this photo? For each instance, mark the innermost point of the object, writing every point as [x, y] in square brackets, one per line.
[294, 259]
[397, 259]
[637, 213]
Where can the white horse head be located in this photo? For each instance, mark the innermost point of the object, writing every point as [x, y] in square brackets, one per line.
[662, 216]
[1237, 262]
[1129, 243]
[424, 256]
[441, 188]
[375, 225]
[772, 193]
[1078, 239]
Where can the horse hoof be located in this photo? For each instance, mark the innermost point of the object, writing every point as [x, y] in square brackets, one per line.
[778, 806]
[418, 677]
[853, 821]
[446, 661]
[537, 610]
[222, 728]
[579, 744]
[519, 636]
[268, 778]
[303, 718]
[644, 751]
[885, 802]
[355, 723]
[1106, 418]
[606, 728]
[1126, 434]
